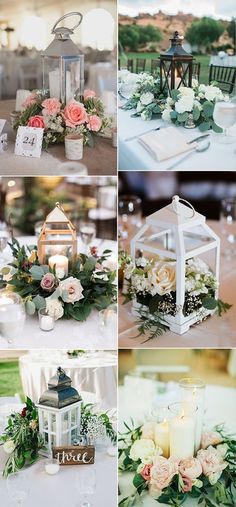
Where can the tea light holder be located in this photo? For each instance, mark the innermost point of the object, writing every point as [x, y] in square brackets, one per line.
[193, 393]
[51, 466]
[74, 146]
[46, 321]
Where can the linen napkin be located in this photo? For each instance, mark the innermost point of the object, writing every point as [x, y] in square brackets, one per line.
[165, 143]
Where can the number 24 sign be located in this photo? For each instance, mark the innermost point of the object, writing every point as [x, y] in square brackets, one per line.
[29, 142]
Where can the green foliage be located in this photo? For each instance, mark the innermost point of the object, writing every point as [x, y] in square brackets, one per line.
[203, 32]
[231, 30]
[88, 414]
[131, 37]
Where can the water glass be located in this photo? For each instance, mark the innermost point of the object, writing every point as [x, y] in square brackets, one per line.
[12, 316]
[85, 483]
[18, 487]
[224, 116]
[130, 215]
[87, 233]
[228, 225]
[108, 320]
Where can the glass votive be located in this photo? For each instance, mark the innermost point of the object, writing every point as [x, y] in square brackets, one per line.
[108, 319]
[46, 321]
[51, 466]
[182, 425]
[74, 146]
[12, 315]
[193, 392]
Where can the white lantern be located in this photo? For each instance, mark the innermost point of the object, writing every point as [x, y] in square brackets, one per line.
[63, 66]
[178, 233]
[59, 411]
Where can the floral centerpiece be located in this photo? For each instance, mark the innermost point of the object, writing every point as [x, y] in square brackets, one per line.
[146, 98]
[96, 425]
[151, 284]
[209, 476]
[89, 284]
[86, 118]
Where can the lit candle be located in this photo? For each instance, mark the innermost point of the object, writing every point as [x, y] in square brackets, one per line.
[177, 81]
[193, 393]
[162, 437]
[52, 468]
[46, 323]
[182, 436]
[61, 264]
[4, 300]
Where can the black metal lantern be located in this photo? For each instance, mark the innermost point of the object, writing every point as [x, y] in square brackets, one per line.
[63, 66]
[176, 66]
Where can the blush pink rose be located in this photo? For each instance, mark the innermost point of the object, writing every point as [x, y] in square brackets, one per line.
[51, 107]
[190, 468]
[148, 430]
[94, 123]
[75, 114]
[36, 121]
[188, 484]
[29, 101]
[210, 438]
[162, 473]
[48, 282]
[146, 472]
[212, 462]
[89, 94]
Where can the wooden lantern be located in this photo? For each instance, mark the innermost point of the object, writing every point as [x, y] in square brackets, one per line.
[176, 66]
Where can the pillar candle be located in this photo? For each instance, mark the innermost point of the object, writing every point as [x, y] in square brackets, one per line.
[182, 436]
[193, 393]
[55, 88]
[162, 437]
[61, 264]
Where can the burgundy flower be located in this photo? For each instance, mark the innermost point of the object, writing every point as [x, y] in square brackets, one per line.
[24, 412]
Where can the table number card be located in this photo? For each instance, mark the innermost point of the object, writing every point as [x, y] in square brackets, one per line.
[75, 455]
[29, 142]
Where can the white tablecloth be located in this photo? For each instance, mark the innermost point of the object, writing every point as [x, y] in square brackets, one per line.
[93, 372]
[68, 334]
[133, 157]
[60, 490]
[220, 408]
[216, 332]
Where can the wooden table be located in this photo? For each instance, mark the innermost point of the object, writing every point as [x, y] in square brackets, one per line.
[100, 160]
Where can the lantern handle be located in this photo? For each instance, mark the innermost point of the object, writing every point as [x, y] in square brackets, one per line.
[176, 199]
[67, 16]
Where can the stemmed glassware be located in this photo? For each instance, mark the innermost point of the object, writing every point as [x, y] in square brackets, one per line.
[4, 238]
[87, 233]
[85, 483]
[228, 225]
[18, 487]
[224, 116]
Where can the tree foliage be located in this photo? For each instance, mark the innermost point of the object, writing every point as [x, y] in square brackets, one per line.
[204, 32]
[231, 29]
[132, 37]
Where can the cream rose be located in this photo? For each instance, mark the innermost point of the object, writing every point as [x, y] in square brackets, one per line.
[212, 463]
[9, 446]
[143, 449]
[54, 308]
[73, 288]
[190, 468]
[184, 104]
[162, 473]
[210, 438]
[163, 278]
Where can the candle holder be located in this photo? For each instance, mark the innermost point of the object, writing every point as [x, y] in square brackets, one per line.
[51, 466]
[12, 316]
[182, 426]
[108, 319]
[193, 392]
[46, 321]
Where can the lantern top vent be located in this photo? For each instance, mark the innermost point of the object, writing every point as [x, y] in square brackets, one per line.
[176, 49]
[59, 393]
[62, 45]
[176, 214]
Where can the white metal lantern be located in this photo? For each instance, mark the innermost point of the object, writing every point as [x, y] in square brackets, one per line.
[179, 233]
[63, 66]
[59, 411]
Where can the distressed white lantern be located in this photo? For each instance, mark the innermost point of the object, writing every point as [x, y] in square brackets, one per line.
[63, 65]
[179, 233]
[59, 412]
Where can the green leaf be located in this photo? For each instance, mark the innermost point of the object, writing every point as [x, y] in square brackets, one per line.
[203, 127]
[216, 128]
[175, 94]
[138, 481]
[208, 108]
[173, 115]
[39, 302]
[56, 294]
[30, 307]
[154, 302]
[196, 113]
[209, 303]
[182, 117]
[37, 272]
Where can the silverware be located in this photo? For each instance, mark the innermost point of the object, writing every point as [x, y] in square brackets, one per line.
[198, 138]
[198, 149]
[142, 134]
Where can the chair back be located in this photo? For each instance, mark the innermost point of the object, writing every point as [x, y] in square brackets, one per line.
[140, 65]
[154, 66]
[225, 77]
[196, 70]
[130, 65]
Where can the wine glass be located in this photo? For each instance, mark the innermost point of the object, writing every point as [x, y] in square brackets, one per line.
[228, 224]
[224, 116]
[85, 483]
[130, 215]
[18, 486]
[87, 233]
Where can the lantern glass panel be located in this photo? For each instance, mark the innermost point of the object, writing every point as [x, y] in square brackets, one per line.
[195, 238]
[63, 77]
[45, 420]
[73, 417]
[159, 238]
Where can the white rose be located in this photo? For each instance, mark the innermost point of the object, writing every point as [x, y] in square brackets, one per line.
[184, 104]
[166, 115]
[186, 92]
[54, 308]
[212, 93]
[163, 278]
[139, 107]
[73, 288]
[202, 88]
[169, 101]
[143, 449]
[145, 115]
[9, 446]
[197, 104]
[146, 98]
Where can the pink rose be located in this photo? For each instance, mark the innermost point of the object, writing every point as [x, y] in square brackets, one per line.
[30, 100]
[48, 282]
[51, 107]
[94, 123]
[212, 463]
[162, 473]
[190, 468]
[89, 94]
[36, 121]
[210, 438]
[75, 114]
[148, 430]
[146, 472]
[188, 484]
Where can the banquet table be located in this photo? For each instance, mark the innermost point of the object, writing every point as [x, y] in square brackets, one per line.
[220, 408]
[60, 489]
[215, 332]
[100, 160]
[69, 334]
[134, 157]
[95, 372]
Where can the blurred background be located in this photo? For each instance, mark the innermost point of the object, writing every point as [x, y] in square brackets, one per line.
[25, 202]
[25, 30]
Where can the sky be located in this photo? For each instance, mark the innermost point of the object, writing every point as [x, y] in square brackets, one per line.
[224, 9]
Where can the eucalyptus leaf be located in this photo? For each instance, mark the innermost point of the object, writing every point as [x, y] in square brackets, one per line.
[209, 303]
[37, 272]
[30, 307]
[39, 302]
